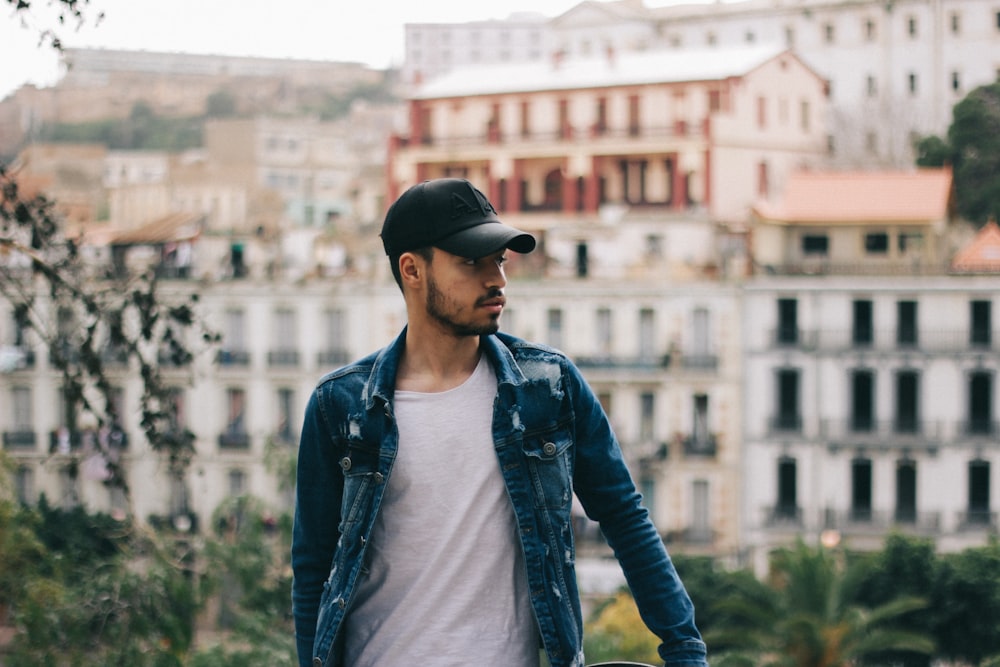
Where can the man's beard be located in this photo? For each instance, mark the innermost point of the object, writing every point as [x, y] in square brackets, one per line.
[436, 302]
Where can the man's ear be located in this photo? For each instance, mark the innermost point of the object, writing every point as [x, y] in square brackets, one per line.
[411, 268]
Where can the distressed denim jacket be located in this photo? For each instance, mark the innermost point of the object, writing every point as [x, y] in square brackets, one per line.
[551, 438]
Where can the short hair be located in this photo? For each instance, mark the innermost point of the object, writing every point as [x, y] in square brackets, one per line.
[426, 252]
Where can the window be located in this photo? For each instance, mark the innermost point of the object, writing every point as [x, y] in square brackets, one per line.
[554, 327]
[749, 37]
[701, 335]
[633, 115]
[911, 83]
[762, 112]
[233, 341]
[861, 489]
[286, 418]
[805, 115]
[956, 23]
[763, 180]
[24, 485]
[21, 433]
[525, 119]
[862, 401]
[702, 441]
[788, 327]
[237, 482]
[871, 30]
[235, 433]
[582, 260]
[789, 36]
[906, 323]
[956, 82]
[877, 243]
[647, 335]
[907, 402]
[906, 491]
[787, 400]
[603, 332]
[828, 33]
[862, 333]
[980, 324]
[787, 506]
[871, 88]
[911, 27]
[283, 352]
[711, 39]
[980, 403]
[701, 530]
[646, 416]
[910, 243]
[334, 325]
[815, 244]
[979, 492]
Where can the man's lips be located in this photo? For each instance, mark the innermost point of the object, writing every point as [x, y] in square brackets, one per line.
[496, 303]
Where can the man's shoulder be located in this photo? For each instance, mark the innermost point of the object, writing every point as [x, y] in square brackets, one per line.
[355, 370]
[522, 348]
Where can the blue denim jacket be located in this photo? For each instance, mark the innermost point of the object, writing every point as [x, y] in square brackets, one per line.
[551, 438]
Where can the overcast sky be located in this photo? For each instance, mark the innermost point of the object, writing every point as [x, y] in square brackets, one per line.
[368, 31]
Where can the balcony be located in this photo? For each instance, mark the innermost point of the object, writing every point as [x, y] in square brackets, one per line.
[63, 441]
[784, 515]
[902, 432]
[283, 358]
[867, 520]
[492, 136]
[332, 358]
[706, 363]
[978, 519]
[232, 440]
[233, 358]
[638, 363]
[700, 445]
[980, 427]
[19, 439]
[16, 358]
[785, 423]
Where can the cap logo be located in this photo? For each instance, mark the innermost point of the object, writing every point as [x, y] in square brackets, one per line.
[460, 206]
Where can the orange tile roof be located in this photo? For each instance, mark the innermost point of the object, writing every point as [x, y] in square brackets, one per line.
[170, 228]
[982, 253]
[812, 197]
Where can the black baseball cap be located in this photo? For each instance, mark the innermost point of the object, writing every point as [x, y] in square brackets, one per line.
[450, 214]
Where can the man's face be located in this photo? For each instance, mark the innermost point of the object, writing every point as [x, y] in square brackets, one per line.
[465, 296]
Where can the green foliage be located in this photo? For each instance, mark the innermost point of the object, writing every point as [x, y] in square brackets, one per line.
[142, 130]
[973, 150]
[807, 618]
[617, 633]
[336, 106]
[967, 599]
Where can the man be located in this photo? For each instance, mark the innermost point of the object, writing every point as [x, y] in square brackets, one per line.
[436, 476]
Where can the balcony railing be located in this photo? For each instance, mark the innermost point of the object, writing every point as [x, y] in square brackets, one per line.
[19, 439]
[650, 363]
[234, 440]
[492, 136]
[978, 519]
[863, 429]
[233, 358]
[866, 519]
[785, 423]
[700, 362]
[885, 341]
[327, 358]
[980, 427]
[784, 515]
[283, 358]
[700, 445]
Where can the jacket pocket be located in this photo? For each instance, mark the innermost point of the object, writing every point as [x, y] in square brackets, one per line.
[547, 454]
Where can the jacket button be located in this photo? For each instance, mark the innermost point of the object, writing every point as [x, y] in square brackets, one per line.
[379, 477]
[345, 463]
[341, 603]
[549, 448]
[317, 662]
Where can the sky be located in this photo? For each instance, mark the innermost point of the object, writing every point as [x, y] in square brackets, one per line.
[367, 31]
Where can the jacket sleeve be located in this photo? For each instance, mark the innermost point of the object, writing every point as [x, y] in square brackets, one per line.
[608, 495]
[316, 530]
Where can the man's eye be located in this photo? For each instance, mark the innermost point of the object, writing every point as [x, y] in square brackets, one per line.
[501, 260]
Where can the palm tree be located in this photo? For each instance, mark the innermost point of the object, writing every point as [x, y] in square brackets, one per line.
[802, 617]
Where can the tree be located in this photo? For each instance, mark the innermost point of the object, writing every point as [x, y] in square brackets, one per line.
[966, 595]
[973, 150]
[806, 618]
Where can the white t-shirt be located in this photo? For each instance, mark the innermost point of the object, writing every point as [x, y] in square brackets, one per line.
[446, 582]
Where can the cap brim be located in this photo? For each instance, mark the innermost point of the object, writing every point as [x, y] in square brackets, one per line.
[486, 239]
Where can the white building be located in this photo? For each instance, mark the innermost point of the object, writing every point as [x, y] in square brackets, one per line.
[870, 362]
[895, 70]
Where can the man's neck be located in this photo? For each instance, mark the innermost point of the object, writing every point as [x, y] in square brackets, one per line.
[436, 363]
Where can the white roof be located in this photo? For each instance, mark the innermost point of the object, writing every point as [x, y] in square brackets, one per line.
[620, 69]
